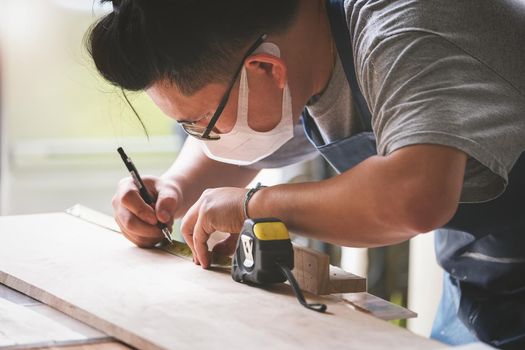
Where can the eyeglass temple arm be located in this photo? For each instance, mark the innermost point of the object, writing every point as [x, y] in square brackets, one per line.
[226, 96]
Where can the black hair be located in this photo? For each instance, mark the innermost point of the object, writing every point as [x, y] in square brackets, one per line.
[188, 42]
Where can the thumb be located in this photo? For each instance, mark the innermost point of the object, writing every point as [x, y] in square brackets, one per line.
[167, 204]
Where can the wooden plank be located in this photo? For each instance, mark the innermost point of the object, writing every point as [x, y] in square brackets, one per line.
[37, 313]
[101, 346]
[378, 307]
[16, 297]
[152, 300]
[312, 268]
[91, 335]
[22, 328]
[315, 274]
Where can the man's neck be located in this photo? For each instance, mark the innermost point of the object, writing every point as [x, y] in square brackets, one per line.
[308, 50]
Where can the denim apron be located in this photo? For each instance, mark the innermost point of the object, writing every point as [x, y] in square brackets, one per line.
[482, 249]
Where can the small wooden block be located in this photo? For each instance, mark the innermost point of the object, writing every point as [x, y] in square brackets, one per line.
[315, 274]
[339, 280]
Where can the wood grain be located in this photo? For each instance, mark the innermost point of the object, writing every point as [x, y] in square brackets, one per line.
[312, 269]
[152, 300]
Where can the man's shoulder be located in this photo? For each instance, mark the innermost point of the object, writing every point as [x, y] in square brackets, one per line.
[484, 29]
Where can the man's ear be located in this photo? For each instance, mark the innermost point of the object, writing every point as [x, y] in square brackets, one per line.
[268, 65]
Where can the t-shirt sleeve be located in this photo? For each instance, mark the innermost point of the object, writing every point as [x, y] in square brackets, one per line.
[423, 89]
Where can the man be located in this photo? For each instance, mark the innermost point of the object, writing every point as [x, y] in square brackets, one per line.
[440, 84]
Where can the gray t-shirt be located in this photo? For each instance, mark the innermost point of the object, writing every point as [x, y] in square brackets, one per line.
[447, 72]
[334, 111]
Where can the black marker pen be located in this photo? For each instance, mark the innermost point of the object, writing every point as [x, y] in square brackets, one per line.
[144, 194]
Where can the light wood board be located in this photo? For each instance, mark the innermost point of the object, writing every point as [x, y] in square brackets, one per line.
[102, 346]
[22, 327]
[152, 300]
[312, 268]
[32, 318]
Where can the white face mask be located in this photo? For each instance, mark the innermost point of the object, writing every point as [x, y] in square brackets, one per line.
[243, 145]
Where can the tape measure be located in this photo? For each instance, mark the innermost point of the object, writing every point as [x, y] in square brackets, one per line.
[264, 255]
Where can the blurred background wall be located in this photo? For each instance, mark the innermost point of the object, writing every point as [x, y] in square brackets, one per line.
[60, 125]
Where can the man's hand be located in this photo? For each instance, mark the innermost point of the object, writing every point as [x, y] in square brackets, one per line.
[219, 209]
[137, 220]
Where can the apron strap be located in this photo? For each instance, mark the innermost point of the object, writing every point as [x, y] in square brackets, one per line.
[343, 41]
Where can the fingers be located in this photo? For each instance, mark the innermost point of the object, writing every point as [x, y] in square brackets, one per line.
[140, 233]
[186, 229]
[132, 201]
[168, 199]
[200, 242]
[217, 209]
[196, 236]
[141, 242]
[128, 196]
[137, 220]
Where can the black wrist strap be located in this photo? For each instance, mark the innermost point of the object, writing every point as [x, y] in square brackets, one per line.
[297, 290]
[249, 196]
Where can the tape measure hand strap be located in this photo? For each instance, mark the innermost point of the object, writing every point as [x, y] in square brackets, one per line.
[249, 196]
[297, 291]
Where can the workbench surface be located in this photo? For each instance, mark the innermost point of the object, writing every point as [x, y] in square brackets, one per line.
[152, 300]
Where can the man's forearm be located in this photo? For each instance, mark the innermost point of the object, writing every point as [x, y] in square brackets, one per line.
[193, 172]
[342, 210]
[384, 200]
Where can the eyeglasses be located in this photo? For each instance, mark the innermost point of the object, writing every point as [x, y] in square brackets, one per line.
[207, 133]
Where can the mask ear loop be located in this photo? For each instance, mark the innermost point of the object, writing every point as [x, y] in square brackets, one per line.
[297, 290]
[242, 104]
[286, 107]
